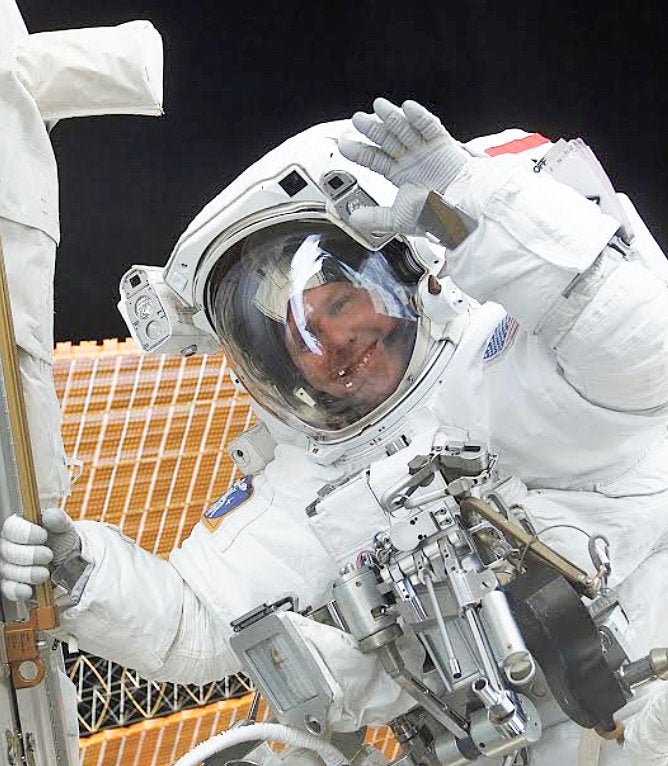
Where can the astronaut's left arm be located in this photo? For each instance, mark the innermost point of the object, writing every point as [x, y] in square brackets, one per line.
[538, 247]
[550, 257]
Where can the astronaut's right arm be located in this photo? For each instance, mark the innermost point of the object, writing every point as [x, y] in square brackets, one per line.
[170, 620]
[124, 604]
[137, 610]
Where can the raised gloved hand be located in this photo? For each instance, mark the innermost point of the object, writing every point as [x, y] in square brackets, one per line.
[26, 549]
[414, 151]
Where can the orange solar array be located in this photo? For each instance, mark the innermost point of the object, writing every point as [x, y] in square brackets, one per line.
[147, 434]
[161, 741]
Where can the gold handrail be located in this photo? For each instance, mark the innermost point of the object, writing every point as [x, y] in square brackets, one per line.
[26, 663]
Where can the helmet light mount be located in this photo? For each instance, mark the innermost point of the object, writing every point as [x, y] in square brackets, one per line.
[158, 321]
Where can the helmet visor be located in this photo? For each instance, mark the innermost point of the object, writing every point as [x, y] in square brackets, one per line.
[318, 328]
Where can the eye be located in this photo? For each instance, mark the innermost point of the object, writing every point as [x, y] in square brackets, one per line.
[339, 305]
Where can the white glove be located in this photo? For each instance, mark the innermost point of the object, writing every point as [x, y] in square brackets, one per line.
[26, 549]
[414, 151]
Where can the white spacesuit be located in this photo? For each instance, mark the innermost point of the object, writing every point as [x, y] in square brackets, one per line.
[353, 344]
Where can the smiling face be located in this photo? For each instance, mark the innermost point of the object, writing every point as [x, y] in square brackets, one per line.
[344, 346]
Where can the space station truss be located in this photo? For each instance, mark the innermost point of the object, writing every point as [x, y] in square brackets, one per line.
[111, 695]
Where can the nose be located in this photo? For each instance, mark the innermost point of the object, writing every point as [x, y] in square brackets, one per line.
[337, 335]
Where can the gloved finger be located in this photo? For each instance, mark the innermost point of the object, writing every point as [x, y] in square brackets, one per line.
[395, 121]
[408, 206]
[370, 126]
[369, 156]
[30, 575]
[15, 591]
[19, 530]
[426, 123]
[25, 555]
[56, 520]
[373, 220]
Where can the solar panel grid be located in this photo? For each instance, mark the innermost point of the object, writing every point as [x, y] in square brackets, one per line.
[161, 742]
[189, 730]
[150, 432]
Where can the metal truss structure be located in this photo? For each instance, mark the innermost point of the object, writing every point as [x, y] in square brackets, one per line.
[111, 695]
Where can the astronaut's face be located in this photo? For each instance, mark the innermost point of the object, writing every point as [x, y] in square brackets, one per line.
[346, 348]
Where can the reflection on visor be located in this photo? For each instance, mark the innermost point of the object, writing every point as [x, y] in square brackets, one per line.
[317, 326]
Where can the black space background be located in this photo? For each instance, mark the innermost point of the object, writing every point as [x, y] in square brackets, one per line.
[242, 76]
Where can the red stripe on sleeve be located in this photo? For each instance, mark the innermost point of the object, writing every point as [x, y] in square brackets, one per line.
[518, 145]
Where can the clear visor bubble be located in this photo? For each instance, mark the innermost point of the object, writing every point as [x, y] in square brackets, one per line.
[317, 327]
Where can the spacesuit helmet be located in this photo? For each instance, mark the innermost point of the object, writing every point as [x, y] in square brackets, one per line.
[322, 325]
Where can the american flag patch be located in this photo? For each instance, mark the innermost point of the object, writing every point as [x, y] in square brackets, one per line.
[501, 338]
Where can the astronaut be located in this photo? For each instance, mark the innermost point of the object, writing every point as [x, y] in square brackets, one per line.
[538, 331]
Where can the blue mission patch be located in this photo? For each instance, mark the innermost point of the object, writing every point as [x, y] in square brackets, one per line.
[502, 337]
[237, 494]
